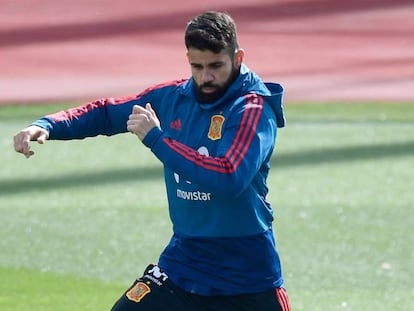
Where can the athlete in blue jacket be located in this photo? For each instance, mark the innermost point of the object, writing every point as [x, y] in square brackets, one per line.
[215, 134]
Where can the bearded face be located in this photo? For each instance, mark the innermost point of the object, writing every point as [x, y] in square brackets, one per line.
[212, 73]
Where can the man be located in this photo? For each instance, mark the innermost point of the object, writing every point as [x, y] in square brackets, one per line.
[215, 134]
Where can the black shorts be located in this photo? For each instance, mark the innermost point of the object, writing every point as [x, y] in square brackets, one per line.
[155, 292]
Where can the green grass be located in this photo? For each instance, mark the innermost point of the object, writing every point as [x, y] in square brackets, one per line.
[23, 289]
[81, 219]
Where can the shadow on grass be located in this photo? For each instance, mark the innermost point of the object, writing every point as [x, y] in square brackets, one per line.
[85, 179]
[280, 160]
[345, 154]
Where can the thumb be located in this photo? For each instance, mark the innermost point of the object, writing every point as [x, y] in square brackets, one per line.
[136, 109]
[149, 108]
[42, 138]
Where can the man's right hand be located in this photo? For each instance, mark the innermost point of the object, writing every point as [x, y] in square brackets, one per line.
[23, 138]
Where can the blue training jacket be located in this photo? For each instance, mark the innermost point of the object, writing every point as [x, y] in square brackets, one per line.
[216, 161]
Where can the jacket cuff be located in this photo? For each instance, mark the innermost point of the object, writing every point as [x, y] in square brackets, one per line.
[152, 137]
[43, 123]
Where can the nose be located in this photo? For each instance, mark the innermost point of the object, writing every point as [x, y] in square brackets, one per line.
[206, 76]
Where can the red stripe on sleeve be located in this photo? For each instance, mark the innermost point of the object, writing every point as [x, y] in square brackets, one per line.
[215, 164]
[249, 131]
[77, 112]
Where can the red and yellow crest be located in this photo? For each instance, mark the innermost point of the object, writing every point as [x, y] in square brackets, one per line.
[216, 125]
[138, 291]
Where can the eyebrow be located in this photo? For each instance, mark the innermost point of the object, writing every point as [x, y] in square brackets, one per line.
[212, 64]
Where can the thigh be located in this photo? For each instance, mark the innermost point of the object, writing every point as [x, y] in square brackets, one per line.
[272, 300]
[155, 292]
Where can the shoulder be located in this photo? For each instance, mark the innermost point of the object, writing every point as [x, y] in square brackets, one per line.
[164, 87]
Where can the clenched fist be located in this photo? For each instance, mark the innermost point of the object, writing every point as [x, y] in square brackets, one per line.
[142, 120]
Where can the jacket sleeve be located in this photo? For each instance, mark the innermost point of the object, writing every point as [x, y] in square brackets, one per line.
[103, 116]
[100, 117]
[246, 145]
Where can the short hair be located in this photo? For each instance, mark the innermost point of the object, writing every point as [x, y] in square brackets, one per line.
[213, 31]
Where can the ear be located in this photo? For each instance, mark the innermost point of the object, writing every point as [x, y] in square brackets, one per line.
[188, 56]
[238, 57]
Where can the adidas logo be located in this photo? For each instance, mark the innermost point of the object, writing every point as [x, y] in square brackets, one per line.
[176, 124]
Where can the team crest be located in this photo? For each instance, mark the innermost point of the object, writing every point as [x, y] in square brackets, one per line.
[138, 292]
[216, 125]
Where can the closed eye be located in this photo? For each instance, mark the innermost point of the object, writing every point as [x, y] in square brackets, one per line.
[196, 66]
[215, 65]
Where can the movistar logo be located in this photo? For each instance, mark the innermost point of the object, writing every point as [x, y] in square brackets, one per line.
[193, 195]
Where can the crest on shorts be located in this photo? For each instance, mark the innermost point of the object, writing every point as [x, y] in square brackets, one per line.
[216, 125]
[138, 291]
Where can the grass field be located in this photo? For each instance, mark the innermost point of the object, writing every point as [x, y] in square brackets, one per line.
[81, 219]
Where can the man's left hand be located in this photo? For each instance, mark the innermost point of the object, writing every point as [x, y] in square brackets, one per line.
[142, 120]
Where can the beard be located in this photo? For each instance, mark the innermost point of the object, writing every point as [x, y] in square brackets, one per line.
[219, 90]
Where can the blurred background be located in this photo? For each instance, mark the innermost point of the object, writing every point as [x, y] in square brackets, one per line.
[320, 50]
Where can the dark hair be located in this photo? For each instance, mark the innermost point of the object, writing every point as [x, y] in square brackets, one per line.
[213, 31]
